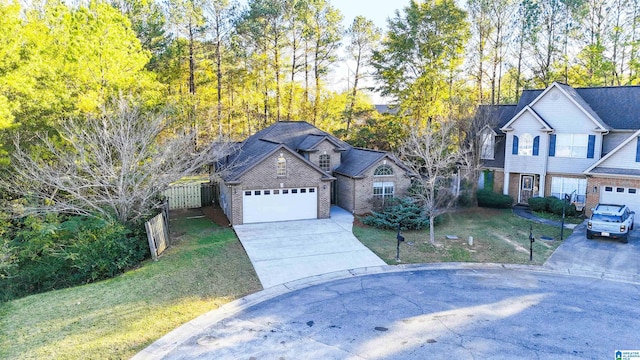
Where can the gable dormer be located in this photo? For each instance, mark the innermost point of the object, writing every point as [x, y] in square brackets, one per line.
[323, 151]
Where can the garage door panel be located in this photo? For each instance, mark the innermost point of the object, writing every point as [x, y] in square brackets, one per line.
[279, 205]
[622, 196]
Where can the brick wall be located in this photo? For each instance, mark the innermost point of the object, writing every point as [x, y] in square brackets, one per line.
[514, 186]
[345, 187]
[364, 187]
[263, 176]
[498, 181]
[325, 147]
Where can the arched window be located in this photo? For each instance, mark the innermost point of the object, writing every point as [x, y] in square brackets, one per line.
[383, 170]
[325, 162]
[281, 166]
[525, 146]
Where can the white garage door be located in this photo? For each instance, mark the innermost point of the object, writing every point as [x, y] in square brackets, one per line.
[622, 196]
[279, 205]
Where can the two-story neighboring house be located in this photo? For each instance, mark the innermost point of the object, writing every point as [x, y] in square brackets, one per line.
[577, 141]
[292, 171]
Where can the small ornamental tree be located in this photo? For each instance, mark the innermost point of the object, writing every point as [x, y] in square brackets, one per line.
[432, 153]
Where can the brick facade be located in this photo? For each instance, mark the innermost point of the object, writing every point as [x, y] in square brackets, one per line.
[263, 176]
[498, 181]
[326, 147]
[356, 195]
[345, 188]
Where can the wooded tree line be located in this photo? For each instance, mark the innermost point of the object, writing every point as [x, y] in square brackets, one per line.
[230, 69]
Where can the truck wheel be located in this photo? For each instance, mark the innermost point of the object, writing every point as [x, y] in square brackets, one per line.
[589, 235]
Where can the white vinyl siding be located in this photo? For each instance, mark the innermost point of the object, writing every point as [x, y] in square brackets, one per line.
[624, 158]
[566, 118]
[526, 124]
[562, 114]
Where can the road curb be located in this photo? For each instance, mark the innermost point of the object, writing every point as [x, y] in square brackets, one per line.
[173, 339]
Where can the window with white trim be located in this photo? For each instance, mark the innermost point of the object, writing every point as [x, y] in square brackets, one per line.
[562, 185]
[572, 145]
[525, 145]
[383, 190]
[487, 146]
[325, 162]
[281, 166]
[383, 170]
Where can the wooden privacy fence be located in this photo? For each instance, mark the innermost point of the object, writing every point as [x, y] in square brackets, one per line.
[190, 195]
[158, 233]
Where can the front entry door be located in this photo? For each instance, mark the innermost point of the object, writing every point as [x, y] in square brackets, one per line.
[526, 188]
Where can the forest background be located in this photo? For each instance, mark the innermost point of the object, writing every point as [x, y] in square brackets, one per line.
[232, 69]
[104, 103]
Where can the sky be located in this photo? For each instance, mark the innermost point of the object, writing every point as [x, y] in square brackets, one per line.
[377, 11]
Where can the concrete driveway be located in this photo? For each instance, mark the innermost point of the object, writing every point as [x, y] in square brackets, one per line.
[290, 250]
[607, 257]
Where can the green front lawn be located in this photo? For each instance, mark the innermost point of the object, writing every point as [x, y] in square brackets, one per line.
[499, 236]
[114, 319]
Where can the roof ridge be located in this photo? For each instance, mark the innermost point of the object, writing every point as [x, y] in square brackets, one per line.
[370, 150]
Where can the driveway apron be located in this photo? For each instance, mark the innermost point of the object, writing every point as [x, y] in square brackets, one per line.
[290, 250]
[578, 255]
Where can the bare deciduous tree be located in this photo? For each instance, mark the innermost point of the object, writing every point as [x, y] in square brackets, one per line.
[111, 166]
[471, 152]
[432, 152]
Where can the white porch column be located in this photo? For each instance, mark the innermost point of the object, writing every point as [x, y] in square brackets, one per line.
[505, 184]
[541, 185]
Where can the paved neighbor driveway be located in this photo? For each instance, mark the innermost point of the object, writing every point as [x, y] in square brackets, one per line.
[290, 250]
[608, 257]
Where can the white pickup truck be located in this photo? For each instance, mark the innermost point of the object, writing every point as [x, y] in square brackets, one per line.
[614, 221]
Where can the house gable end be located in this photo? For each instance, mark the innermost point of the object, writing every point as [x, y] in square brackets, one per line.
[624, 157]
[527, 114]
[567, 112]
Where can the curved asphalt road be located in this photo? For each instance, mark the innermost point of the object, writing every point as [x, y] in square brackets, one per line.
[459, 312]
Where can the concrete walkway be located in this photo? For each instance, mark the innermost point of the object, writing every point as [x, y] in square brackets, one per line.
[525, 212]
[290, 250]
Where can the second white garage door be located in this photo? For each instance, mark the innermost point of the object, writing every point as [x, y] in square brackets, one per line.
[268, 205]
[622, 196]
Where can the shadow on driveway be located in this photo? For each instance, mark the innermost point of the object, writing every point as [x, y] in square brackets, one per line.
[608, 257]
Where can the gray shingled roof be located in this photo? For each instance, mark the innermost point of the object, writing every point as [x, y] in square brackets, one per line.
[618, 106]
[502, 114]
[294, 136]
[356, 161]
[616, 171]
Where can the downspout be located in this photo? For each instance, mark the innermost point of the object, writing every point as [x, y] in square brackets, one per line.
[353, 211]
